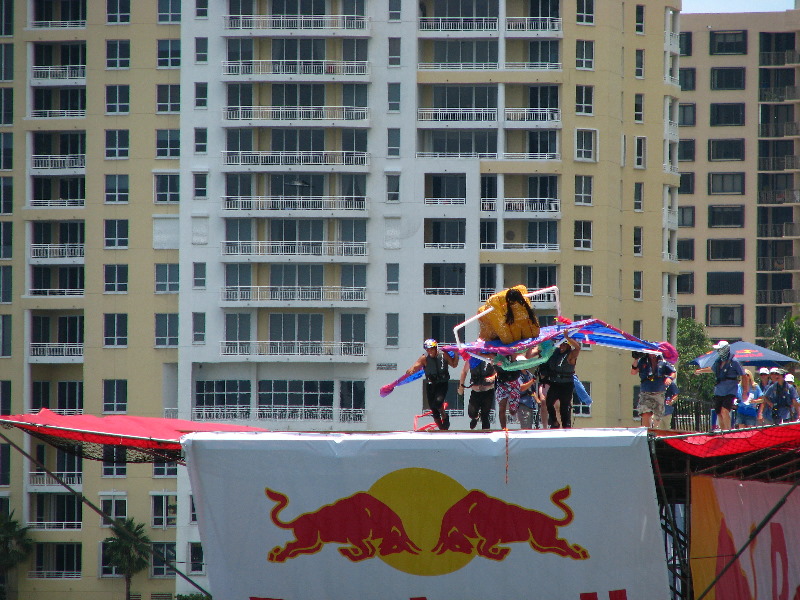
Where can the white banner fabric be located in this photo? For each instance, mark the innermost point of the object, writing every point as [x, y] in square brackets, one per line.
[567, 515]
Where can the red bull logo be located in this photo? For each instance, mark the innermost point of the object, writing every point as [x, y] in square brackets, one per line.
[423, 522]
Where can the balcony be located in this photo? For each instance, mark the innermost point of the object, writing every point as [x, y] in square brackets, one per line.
[444, 291]
[58, 114]
[669, 256]
[312, 22]
[52, 251]
[57, 202]
[672, 42]
[790, 297]
[457, 24]
[71, 478]
[779, 197]
[444, 245]
[670, 218]
[293, 293]
[534, 24]
[295, 113]
[54, 574]
[533, 66]
[550, 116]
[493, 155]
[671, 130]
[789, 128]
[287, 158]
[284, 203]
[170, 413]
[293, 348]
[671, 169]
[532, 206]
[770, 296]
[778, 59]
[75, 24]
[46, 352]
[669, 306]
[60, 162]
[671, 79]
[779, 263]
[445, 201]
[58, 74]
[295, 67]
[296, 248]
[464, 115]
[516, 246]
[56, 292]
[779, 94]
[778, 163]
[780, 230]
[54, 525]
[459, 66]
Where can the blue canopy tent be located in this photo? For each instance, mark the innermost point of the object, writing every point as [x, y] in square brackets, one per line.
[747, 354]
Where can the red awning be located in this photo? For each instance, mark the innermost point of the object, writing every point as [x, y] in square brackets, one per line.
[145, 433]
[739, 441]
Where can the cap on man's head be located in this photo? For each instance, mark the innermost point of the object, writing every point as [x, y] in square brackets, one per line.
[720, 345]
[789, 377]
[776, 371]
[763, 371]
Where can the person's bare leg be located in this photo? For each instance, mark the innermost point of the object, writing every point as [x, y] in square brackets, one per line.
[647, 419]
[724, 418]
[501, 407]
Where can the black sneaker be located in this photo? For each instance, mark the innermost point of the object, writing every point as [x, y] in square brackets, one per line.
[473, 423]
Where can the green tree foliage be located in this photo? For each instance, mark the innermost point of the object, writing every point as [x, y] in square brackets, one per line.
[785, 337]
[692, 342]
[15, 546]
[128, 550]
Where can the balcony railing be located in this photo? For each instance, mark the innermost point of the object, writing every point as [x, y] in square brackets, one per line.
[58, 73]
[458, 24]
[534, 246]
[444, 245]
[493, 155]
[779, 94]
[293, 293]
[445, 291]
[57, 250]
[299, 248]
[532, 205]
[670, 168]
[55, 349]
[445, 201]
[769, 296]
[471, 115]
[779, 263]
[671, 129]
[779, 230]
[248, 22]
[54, 525]
[551, 24]
[293, 348]
[354, 203]
[57, 202]
[672, 40]
[286, 158]
[57, 291]
[58, 114]
[295, 113]
[671, 79]
[221, 413]
[74, 24]
[41, 574]
[788, 128]
[778, 163]
[45, 480]
[778, 59]
[489, 204]
[779, 197]
[791, 296]
[533, 115]
[458, 66]
[295, 67]
[669, 256]
[671, 218]
[58, 161]
[533, 66]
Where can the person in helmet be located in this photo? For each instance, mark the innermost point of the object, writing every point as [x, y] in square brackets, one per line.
[436, 365]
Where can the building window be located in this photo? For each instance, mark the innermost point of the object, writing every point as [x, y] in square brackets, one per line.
[168, 143]
[584, 99]
[392, 277]
[687, 115]
[728, 42]
[118, 12]
[637, 241]
[640, 18]
[685, 283]
[687, 79]
[200, 140]
[392, 187]
[166, 278]
[638, 196]
[639, 67]
[686, 185]
[192, 510]
[201, 9]
[686, 150]
[115, 395]
[197, 563]
[637, 285]
[583, 235]
[724, 315]
[5, 397]
[726, 183]
[116, 233]
[727, 115]
[728, 249]
[166, 330]
[6, 195]
[114, 461]
[582, 285]
[200, 94]
[727, 282]
[115, 506]
[686, 216]
[117, 143]
[726, 216]
[167, 188]
[394, 52]
[118, 54]
[118, 99]
[686, 311]
[169, 11]
[727, 78]
[201, 50]
[586, 145]
[280, 398]
[115, 279]
[6, 106]
[169, 53]
[106, 568]
[585, 13]
[168, 98]
[6, 239]
[584, 54]
[115, 329]
[165, 468]
[583, 189]
[685, 43]
[200, 186]
[5, 464]
[117, 189]
[394, 10]
[640, 160]
[199, 275]
[198, 328]
[165, 510]
[685, 249]
[393, 142]
[392, 330]
[393, 95]
[158, 568]
[638, 108]
[6, 294]
[732, 149]
[6, 151]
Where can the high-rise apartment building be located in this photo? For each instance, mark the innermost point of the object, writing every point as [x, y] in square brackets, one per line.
[738, 204]
[256, 212]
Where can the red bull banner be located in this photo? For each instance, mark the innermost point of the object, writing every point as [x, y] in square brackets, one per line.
[567, 515]
[724, 514]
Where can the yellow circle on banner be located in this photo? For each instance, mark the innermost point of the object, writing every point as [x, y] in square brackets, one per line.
[420, 497]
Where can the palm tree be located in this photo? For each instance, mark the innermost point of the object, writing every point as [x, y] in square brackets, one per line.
[15, 545]
[128, 550]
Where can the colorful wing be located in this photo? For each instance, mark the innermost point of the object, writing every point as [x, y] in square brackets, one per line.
[389, 387]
